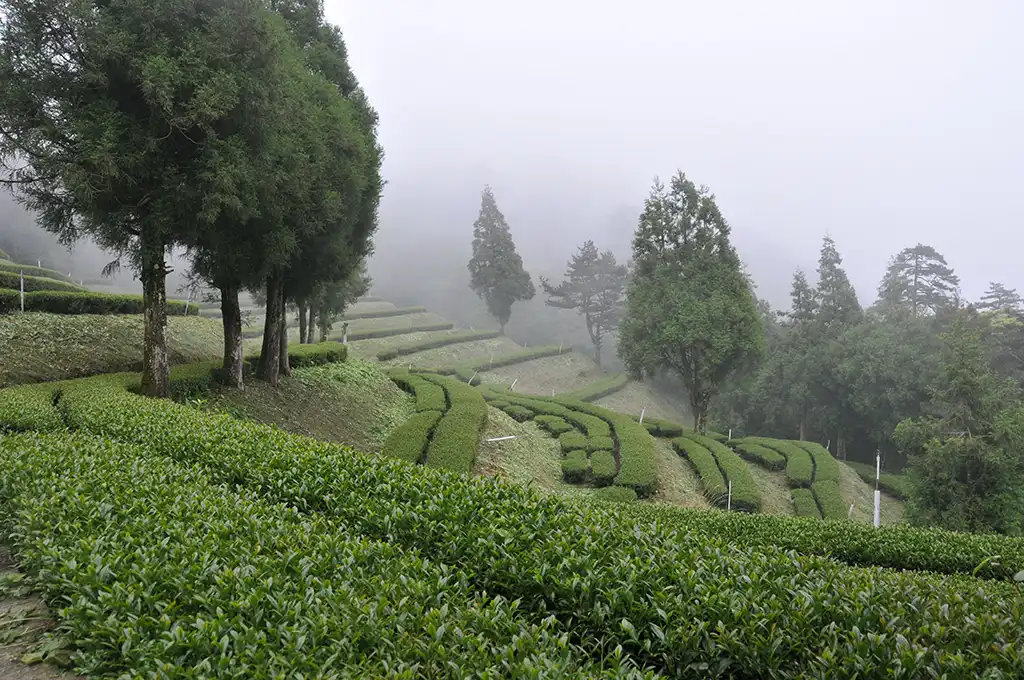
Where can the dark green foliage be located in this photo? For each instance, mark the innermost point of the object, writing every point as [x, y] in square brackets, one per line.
[602, 467]
[553, 424]
[58, 302]
[918, 281]
[894, 484]
[453, 445]
[593, 287]
[799, 467]
[826, 468]
[615, 494]
[575, 466]
[829, 499]
[12, 281]
[804, 504]
[431, 343]
[41, 272]
[496, 271]
[999, 298]
[600, 444]
[689, 306]
[759, 454]
[518, 413]
[465, 371]
[496, 403]
[571, 441]
[745, 494]
[382, 313]
[599, 388]
[300, 356]
[704, 463]
[792, 636]
[409, 440]
[429, 396]
[662, 428]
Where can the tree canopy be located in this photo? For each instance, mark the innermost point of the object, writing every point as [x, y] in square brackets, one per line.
[918, 281]
[496, 269]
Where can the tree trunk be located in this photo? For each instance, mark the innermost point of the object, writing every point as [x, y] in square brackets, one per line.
[597, 353]
[311, 329]
[285, 367]
[231, 316]
[155, 366]
[302, 324]
[803, 428]
[269, 365]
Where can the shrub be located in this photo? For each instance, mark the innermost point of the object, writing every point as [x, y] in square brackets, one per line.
[302, 356]
[497, 403]
[67, 302]
[382, 313]
[34, 283]
[829, 499]
[799, 468]
[429, 396]
[745, 494]
[891, 483]
[704, 463]
[553, 424]
[39, 272]
[409, 440]
[518, 413]
[759, 454]
[3, 255]
[804, 504]
[575, 466]
[615, 494]
[661, 428]
[826, 468]
[599, 388]
[431, 343]
[571, 441]
[454, 442]
[602, 467]
[506, 539]
[600, 444]
[465, 371]
[369, 333]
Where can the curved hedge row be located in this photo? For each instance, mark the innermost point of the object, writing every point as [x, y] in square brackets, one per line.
[432, 343]
[599, 388]
[12, 281]
[703, 461]
[662, 428]
[575, 466]
[454, 442]
[429, 396]
[799, 465]
[804, 504]
[552, 424]
[826, 468]
[745, 494]
[830, 499]
[466, 371]
[82, 302]
[41, 272]
[184, 577]
[815, 618]
[383, 313]
[892, 483]
[409, 440]
[762, 455]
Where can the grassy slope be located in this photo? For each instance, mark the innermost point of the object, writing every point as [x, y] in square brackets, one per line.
[352, 403]
[449, 355]
[403, 321]
[39, 347]
[636, 396]
[855, 490]
[678, 484]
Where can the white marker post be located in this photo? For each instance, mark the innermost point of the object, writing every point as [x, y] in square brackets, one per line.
[728, 500]
[344, 338]
[513, 384]
[878, 493]
[552, 391]
[501, 439]
[730, 435]
[642, 412]
[492, 359]
[560, 346]
[472, 377]
[23, 290]
[849, 514]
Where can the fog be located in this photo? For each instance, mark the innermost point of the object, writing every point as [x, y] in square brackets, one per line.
[880, 123]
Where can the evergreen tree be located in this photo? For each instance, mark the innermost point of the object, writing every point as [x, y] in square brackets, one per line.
[594, 285]
[803, 301]
[689, 306]
[496, 269]
[918, 281]
[999, 298]
[837, 300]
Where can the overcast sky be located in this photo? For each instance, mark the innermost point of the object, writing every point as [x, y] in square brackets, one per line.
[882, 123]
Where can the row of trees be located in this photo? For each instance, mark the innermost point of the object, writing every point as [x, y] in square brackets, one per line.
[235, 130]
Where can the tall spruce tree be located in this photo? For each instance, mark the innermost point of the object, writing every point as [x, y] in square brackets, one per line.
[918, 281]
[496, 269]
[594, 286]
[689, 307]
[838, 306]
[999, 298]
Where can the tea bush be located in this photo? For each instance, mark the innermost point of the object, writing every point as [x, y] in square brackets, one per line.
[830, 499]
[602, 467]
[467, 370]
[804, 504]
[12, 281]
[615, 494]
[432, 343]
[571, 441]
[599, 388]
[600, 444]
[409, 440]
[40, 272]
[454, 442]
[518, 413]
[826, 468]
[369, 333]
[759, 454]
[703, 461]
[889, 482]
[799, 465]
[383, 313]
[74, 302]
[553, 424]
[575, 466]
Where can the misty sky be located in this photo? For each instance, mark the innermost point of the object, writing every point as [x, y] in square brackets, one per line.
[882, 123]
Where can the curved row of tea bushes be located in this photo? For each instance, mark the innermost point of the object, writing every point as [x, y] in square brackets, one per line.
[826, 467]
[711, 478]
[894, 484]
[454, 442]
[429, 396]
[13, 281]
[80, 302]
[383, 313]
[799, 464]
[27, 270]
[757, 453]
[804, 504]
[409, 440]
[830, 499]
[651, 588]
[599, 388]
[467, 371]
[162, 574]
[433, 343]
[745, 494]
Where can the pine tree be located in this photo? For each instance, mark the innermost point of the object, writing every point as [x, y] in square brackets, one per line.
[999, 298]
[689, 306]
[837, 300]
[496, 269]
[918, 282]
[594, 285]
[804, 300]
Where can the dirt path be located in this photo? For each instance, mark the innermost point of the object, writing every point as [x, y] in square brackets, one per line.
[24, 620]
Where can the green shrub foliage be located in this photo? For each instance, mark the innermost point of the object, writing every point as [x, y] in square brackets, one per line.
[826, 468]
[799, 465]
[840, 625]
[600, 444]
[383, 313]
[429, 396]
[889, 482]
[66, 302]
[599, 388]
[745, 494]
[370, 333]
[829, 499]
[759, 454]
[662, 428]
[615, 494]
[553, 424]
[804, 504]
[704, 463]
[39, 272]
[454, 443]
[409, 440]
[518, 413]
[571, 441]
[12, 281]
[575, 466]
[432, 343]
[602, 467]
[466, 371]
